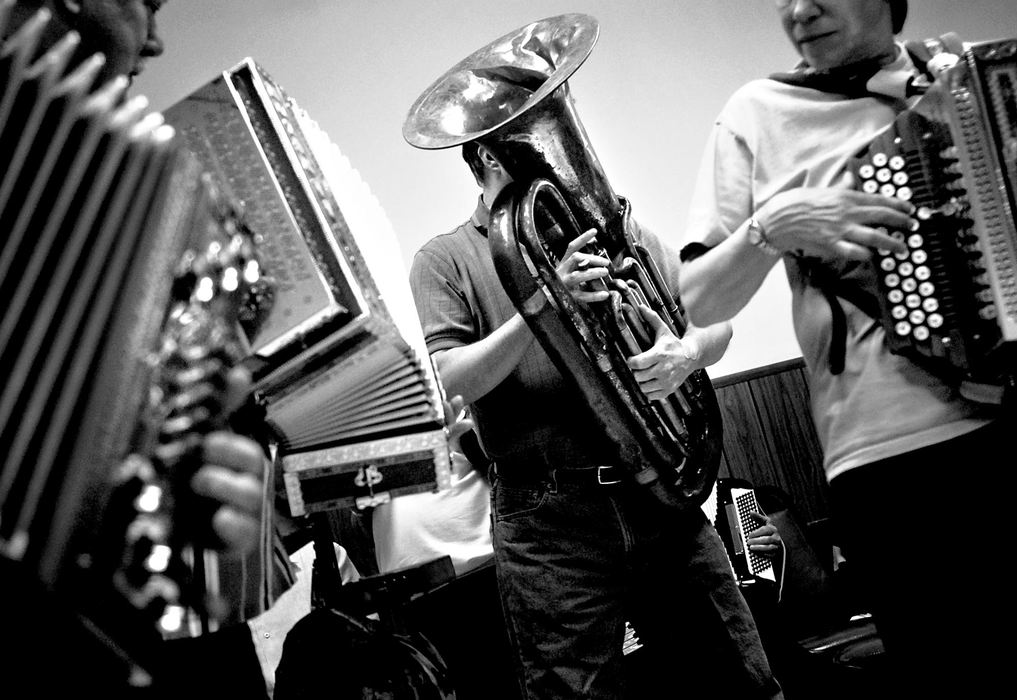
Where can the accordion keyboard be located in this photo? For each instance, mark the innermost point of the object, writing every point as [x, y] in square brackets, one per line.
[931, 298]
[952, 296]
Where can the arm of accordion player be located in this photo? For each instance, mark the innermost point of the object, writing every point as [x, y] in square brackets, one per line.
[706, 345]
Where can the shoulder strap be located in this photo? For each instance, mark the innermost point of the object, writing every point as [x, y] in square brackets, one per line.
[853, 81]
[850, 81]
[833, 288]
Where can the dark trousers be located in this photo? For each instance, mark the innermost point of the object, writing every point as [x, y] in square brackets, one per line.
[927, 533]
[575, 562]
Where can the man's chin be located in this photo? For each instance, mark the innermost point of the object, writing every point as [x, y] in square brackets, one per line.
[819, 61]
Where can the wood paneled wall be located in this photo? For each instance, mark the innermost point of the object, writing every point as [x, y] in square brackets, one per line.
[769, 437]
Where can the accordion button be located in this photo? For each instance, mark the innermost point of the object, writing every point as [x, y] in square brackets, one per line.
[902, 328]
[897, 163]
[935, 320]
[172, 619]
[922, 333]
[880, 159]
[149, 500]
[159, 559]
[866, 171]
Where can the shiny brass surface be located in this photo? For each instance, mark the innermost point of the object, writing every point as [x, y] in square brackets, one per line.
[500, 82]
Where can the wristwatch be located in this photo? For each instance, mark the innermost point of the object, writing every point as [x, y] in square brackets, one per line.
[757, 237]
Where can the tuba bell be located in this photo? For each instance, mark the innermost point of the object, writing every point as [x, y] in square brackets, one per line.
[512, 97]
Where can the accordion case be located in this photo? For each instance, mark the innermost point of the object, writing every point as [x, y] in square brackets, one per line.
[951, 299]
[340, 360]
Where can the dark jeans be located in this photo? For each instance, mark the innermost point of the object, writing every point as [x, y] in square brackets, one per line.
[928, 534]
[575, 562]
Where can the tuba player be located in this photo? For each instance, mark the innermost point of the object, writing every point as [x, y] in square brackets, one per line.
[579, 547]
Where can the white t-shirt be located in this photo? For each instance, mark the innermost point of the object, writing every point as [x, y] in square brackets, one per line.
[269, 629]
[420, 527]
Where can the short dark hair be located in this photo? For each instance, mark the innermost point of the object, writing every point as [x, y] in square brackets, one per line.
[471, 154]
[898, 14]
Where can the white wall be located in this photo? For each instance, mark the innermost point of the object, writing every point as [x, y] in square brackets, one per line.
[647, 95]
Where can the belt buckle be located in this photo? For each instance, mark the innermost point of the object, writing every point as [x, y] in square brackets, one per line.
[600, 476]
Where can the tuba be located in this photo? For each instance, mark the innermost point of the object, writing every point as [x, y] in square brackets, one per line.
[512, 97]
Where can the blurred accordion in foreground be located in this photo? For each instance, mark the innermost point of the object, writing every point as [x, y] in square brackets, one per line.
[340, 362]
[126, 279]
[952, 297]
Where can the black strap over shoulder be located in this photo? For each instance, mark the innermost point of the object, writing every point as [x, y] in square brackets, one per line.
[833, 288]
[852, 81]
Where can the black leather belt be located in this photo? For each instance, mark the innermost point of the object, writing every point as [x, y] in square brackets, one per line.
[605, 475]
[537, 470]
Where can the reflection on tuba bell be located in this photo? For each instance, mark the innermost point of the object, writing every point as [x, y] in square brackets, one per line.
[512, 97]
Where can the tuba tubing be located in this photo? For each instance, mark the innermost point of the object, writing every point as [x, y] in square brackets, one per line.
[670, 446]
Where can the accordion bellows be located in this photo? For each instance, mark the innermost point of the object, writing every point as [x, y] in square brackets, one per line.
[340, 360]
[98, 204]
[110, 232]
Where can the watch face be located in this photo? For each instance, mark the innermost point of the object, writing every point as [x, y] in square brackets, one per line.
[756, 238]
[755, 235]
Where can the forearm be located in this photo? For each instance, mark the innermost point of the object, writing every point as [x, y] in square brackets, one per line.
[717, 285]
[473, 370]
[707, 345]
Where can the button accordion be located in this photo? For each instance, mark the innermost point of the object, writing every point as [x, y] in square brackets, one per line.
[951, 298]
[127, 279]
[736, 502]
